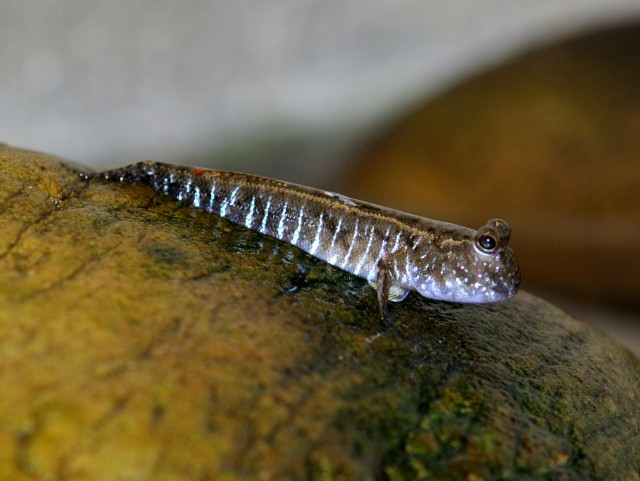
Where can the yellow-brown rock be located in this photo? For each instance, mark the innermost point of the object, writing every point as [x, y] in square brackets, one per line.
[144, 340]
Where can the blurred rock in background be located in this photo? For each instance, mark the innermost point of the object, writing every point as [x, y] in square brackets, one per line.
[549, 141]
[281, 84]
[289, 89]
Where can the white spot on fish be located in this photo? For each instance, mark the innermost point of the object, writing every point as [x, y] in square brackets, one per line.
[383, 245]
[396, 245]
[184, 193]
[296, 234]
[335, 236]
[363, 257]
[213, 196]
[248, 220]
[316, 241]
[345, 261]
[196, 196]
[263, 225]
[234, 194]
[283, 216]
[223, 207]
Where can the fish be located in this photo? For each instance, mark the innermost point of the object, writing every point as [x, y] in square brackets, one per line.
[396, 252]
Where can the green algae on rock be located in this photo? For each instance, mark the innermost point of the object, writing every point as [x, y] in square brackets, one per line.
[142, 339]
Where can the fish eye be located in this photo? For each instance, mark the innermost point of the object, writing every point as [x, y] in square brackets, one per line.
[487, 243]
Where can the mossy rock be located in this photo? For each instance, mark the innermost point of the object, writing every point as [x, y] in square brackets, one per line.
[142, 339]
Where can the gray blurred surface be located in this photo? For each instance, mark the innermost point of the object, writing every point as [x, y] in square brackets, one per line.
[108, 83]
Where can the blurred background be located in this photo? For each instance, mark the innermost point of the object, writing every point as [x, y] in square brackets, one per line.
[459, 110]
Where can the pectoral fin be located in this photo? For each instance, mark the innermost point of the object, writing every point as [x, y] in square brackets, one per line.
[386, 289]
[397, 293]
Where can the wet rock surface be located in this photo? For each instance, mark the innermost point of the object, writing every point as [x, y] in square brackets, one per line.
[141, 339]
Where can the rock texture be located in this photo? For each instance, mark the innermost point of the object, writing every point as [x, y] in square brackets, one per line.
[141, 339]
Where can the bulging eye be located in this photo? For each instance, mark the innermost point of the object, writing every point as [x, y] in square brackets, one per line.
[487, 243]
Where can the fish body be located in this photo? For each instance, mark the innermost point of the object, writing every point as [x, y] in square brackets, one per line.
[395, 251]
